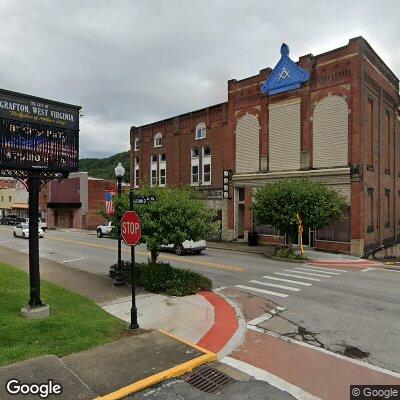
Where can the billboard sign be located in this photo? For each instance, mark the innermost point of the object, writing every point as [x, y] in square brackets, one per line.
[38, 133]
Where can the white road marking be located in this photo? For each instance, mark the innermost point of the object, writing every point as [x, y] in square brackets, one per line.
[276, 285]
[287, 280]
[24, 250]
[5, 241]
[308, 273]
[218, 289]
[319, 271]
[279, 308]
[266, 376]
[324, 268]
[255, 328]
[260, 319]
[297, 276]
[368, 269]
[261, 291]
[73, 259]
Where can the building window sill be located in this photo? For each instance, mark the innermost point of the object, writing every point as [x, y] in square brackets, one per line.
[370, 229]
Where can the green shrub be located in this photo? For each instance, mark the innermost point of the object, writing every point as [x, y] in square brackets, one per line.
[289, 253]
[165, 279]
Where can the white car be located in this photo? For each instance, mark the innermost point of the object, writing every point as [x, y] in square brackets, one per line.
[188, 246]
[22, 230]
[104, 230]
[41, 221]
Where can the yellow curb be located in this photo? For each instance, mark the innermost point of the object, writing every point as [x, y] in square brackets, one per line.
[173, 372]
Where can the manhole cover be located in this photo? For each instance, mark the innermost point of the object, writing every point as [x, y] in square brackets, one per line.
[208, 379]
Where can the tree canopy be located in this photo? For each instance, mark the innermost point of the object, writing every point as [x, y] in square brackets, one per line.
[278, 203]
[176, 216]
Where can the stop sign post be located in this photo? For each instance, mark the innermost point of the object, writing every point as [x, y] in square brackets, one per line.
[131, 232]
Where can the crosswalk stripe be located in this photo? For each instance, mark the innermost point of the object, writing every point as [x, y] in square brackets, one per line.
[308, 273]
[324, 269]
[287, 280]
[277, 286]
[297, 276]
[319, 272]
[261, 291]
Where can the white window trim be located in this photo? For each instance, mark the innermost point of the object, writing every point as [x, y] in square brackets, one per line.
[136, 145]
[163, 166]
[206, 161]
[153, 168]
[193, 156]
[157, 136]
[203, 128]
[195, 162]
[136, 177]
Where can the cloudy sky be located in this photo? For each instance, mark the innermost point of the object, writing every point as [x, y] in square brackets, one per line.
[137, 61]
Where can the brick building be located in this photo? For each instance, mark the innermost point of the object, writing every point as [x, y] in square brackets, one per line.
[333, 117]
[74, 202]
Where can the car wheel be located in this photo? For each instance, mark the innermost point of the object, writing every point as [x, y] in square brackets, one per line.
[179, 249]
[199, 251]
[99, 233]
[23, 235]
[14, 234]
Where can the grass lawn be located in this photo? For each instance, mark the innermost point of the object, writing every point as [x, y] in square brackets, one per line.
[76, 323]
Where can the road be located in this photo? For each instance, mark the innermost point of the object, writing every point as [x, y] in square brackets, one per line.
[350, 311]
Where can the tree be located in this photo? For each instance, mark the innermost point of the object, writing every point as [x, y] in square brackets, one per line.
[278, 204]
[176, 216]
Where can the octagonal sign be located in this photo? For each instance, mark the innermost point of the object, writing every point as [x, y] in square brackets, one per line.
[131, 230]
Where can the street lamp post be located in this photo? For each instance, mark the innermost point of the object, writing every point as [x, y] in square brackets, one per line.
[119, 278]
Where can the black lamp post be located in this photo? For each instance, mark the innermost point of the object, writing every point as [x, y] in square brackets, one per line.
[119, 278]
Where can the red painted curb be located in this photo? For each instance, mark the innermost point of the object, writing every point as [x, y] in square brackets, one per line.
[225, 323]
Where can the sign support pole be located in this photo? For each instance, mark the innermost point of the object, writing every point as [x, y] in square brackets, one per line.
[134, 323]
[34, 273]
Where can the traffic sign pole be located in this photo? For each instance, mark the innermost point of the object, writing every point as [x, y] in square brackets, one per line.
[134, 322]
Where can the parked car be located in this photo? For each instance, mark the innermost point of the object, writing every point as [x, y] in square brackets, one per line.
[104, 230]
[188, 246]
[42, 222]
[10, 220]
[22, 230]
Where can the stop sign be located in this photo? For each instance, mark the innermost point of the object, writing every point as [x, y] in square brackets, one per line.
[131, 228]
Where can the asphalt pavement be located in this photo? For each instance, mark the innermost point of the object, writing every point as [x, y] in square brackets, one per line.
[351, 311]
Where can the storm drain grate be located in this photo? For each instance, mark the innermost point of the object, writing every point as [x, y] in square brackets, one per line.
[208, 379]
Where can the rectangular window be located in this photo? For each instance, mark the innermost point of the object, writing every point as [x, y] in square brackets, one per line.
[370, 133]
[195, 175]
[206, 174]
[9, 199]
[195, 152]
[206, 151]
[136, 177]
[163, 179]
[386, 144]
[154, 158]
[163, 157]
[153, 181]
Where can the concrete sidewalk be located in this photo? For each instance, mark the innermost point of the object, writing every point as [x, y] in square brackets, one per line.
[111, 371]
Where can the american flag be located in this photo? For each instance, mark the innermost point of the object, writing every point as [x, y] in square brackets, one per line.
[108, 198]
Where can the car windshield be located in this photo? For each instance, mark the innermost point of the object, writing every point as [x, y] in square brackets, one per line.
[24, 226]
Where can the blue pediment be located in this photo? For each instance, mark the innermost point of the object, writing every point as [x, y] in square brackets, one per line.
[286, 75]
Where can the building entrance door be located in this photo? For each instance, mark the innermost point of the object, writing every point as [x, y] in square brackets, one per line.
[240, 225]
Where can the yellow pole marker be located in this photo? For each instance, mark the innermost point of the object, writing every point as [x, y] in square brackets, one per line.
[300, 232]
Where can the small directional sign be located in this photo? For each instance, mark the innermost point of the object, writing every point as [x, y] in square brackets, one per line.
[143, 199]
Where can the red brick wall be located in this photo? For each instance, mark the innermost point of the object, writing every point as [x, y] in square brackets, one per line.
[96, 189]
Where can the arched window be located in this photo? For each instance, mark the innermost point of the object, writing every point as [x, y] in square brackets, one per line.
[158, 139]
[136, 147]
[201, 131]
